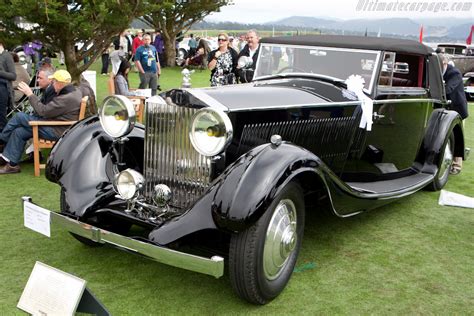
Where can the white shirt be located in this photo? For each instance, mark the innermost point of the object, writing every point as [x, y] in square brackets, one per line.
[252, 52]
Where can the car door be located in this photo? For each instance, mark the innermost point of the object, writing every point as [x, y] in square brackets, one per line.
[400, 114]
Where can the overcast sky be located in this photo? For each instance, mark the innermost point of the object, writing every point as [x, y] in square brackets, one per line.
[261, 11]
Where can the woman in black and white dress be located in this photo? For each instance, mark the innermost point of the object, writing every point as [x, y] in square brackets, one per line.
[222, 62]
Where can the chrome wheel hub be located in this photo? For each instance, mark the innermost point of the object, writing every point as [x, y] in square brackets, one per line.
[447, 160]
[280, 240]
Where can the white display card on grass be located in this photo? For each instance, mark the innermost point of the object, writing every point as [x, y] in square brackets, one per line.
[50, 291]
[37, 218]
[142, 92]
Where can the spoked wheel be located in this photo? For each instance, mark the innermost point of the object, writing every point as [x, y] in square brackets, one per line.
[262, 258]
[447, 158]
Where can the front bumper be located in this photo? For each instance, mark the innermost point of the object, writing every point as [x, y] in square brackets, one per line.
[212, 266]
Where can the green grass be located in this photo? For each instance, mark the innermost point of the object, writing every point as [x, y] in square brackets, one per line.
[170, 78]
[410, 257]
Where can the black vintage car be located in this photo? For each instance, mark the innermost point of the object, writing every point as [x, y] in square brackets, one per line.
[224, 176]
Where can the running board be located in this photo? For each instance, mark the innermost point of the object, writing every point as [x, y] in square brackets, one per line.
[416, 181]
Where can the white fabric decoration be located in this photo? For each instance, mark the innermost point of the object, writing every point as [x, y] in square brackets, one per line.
[355, 84]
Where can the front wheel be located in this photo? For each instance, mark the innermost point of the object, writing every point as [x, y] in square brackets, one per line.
[445, 164]
[262, 258]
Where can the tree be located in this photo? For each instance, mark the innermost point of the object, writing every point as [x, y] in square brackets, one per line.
[63, 24]
[174, 17]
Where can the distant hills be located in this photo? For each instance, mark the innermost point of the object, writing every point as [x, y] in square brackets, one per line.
[434, 29]
[456, 29]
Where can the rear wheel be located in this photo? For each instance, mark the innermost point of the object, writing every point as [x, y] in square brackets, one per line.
[446, 162]
[262, 258]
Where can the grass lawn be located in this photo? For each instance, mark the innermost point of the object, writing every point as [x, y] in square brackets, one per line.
[410, 257]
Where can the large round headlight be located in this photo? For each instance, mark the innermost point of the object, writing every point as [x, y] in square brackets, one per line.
[117, 116]
[211, 131]
[127, 183]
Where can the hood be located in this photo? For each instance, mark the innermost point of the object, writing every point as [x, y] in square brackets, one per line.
[278, 93]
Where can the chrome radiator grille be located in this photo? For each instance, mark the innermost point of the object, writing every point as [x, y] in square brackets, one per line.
[170, 158]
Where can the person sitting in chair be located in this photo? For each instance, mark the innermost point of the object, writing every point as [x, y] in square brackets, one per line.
[45, 84]
[63, 107]
[21, 75]
[196, 59]
[121, 79]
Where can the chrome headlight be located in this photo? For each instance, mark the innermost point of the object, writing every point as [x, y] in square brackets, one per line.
[117, 116]
[127, 183]
[211, 131]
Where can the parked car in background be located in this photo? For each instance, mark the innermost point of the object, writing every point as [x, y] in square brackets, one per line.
[463, 57]
[183, 49]
[225, 176]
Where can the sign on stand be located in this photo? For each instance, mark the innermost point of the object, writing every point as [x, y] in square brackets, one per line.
[50, 291]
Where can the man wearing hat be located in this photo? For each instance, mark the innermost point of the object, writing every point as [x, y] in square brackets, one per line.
[63, 107]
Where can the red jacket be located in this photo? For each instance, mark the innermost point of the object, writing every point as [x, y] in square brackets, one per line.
[137, 42]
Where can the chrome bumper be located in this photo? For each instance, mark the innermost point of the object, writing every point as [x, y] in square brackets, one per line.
[213, 266]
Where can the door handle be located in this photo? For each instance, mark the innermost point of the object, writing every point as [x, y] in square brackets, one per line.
[377, 116]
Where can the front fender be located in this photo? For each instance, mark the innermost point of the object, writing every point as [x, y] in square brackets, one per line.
[246, 190]
[82, 162]
[242, 193]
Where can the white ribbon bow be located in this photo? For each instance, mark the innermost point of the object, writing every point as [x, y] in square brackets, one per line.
[355, 84]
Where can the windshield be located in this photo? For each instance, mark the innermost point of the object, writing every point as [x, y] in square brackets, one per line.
[337, 63]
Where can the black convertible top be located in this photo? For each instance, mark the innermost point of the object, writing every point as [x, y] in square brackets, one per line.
[357, 42]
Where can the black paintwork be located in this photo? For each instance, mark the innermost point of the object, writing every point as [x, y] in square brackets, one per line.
[409, 137]
[82, 162]
[279, 93]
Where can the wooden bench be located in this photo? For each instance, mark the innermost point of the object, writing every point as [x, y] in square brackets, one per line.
[39, 143]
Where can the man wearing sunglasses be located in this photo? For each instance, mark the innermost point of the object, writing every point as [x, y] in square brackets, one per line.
[245, 74]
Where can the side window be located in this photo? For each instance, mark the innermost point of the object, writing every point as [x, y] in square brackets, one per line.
[400, 70]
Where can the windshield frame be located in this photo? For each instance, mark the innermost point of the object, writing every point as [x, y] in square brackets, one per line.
[373, 80]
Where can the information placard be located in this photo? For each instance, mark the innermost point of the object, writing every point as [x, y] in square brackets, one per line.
[50, 291]
[37, 218]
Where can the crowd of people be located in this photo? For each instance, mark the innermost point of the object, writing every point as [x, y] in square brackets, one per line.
[146, 54]
[224, 60]
[58, 100]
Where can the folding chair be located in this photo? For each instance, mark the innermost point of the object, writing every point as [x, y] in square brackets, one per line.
[23, 105]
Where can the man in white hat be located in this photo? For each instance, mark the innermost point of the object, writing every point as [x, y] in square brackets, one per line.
[63, 107]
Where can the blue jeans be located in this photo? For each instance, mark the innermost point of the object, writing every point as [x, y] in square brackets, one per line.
[17, 132]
